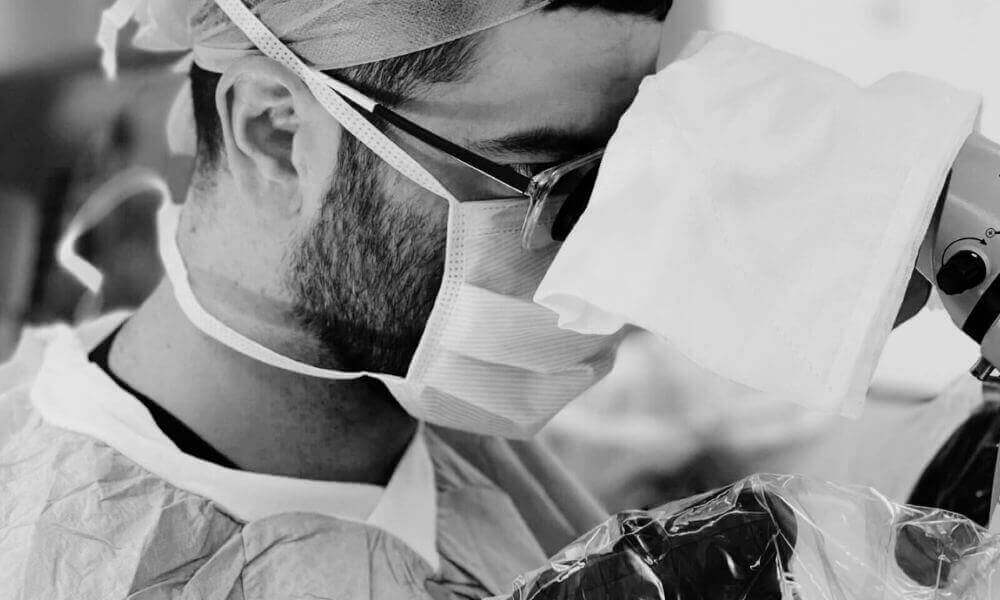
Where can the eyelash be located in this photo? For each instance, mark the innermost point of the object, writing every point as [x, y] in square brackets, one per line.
[531, 169]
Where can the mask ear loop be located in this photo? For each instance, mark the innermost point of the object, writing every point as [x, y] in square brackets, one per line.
[105, 199]
[176, 271]
[135, 182]
[327, 91]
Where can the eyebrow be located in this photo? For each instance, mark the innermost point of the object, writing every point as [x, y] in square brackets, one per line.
[543, 141]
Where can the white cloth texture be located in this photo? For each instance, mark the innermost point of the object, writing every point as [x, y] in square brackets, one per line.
[98, 503]
[952, 41]
[762, 214]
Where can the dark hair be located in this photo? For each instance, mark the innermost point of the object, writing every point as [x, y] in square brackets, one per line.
[651, 8]
[389, 81]
[392, 80]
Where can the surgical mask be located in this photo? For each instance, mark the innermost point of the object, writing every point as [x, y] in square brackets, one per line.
[490, 360]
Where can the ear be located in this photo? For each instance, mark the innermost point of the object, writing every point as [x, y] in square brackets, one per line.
[275, 132]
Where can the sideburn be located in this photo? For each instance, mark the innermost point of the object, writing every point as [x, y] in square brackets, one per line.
[366, 275]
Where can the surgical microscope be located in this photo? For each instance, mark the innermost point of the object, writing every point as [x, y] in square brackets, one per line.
[960, 256]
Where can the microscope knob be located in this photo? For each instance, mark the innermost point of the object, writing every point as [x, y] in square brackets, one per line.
[962, 272]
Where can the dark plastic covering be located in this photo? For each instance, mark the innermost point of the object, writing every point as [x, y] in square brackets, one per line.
[772, 537]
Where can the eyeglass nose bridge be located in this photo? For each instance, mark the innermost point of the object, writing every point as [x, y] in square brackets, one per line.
[537, 193]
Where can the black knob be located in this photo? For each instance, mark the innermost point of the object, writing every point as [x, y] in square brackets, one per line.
[962, 272]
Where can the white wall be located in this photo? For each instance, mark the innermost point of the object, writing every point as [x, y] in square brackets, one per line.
[39, 31]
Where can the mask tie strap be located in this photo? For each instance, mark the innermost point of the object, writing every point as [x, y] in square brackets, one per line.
[173, 263]
[96, 208]
[326, 89]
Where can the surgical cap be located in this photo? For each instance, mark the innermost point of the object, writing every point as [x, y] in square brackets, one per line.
[326, 34]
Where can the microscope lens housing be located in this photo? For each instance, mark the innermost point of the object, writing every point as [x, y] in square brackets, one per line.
[961, 253]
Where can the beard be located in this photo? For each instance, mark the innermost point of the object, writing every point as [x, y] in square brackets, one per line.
[364, 278]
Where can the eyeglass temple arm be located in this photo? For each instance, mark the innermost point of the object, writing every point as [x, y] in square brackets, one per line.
[502, 174]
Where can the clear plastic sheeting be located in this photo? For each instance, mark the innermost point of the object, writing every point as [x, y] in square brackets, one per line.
[771, 537]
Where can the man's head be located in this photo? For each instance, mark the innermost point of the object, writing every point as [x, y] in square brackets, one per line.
[296, 216]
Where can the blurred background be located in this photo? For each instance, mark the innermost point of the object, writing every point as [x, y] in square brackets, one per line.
[67, 130]
[659, 427]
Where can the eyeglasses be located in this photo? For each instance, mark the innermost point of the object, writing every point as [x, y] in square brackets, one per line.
[557, 196]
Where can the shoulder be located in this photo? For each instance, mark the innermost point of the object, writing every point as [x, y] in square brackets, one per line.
[24, 364]
[19, 372]
[79, 519]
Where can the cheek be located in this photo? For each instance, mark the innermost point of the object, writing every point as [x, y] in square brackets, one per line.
[410, 199]
[315, 154]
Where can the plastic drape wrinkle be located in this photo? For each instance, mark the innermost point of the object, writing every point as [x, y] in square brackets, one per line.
[771, 537]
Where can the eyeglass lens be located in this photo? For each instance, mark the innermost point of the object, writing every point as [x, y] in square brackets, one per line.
[556, 212]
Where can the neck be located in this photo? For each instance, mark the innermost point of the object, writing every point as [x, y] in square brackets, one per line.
[262, 418]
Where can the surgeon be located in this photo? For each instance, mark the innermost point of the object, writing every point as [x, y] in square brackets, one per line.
[316, 401]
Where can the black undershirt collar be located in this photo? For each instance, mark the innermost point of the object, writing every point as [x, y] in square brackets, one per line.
[186, 440]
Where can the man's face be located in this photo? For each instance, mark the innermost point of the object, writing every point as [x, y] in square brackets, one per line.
[544, 88]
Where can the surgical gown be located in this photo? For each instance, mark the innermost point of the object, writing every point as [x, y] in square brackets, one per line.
[95, 503]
